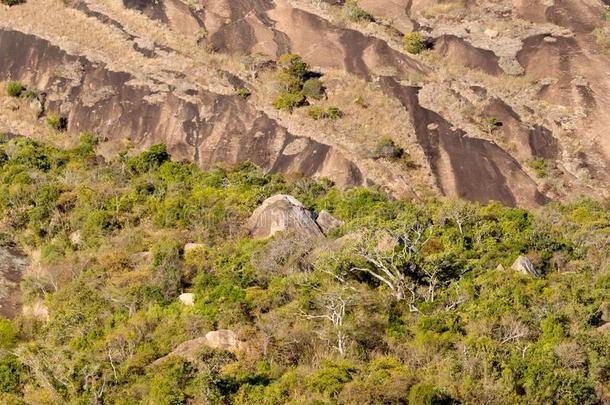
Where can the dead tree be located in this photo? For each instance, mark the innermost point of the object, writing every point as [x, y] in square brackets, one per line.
[391, 265]
[333, 309]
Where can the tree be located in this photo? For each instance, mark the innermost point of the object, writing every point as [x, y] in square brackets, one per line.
[414, 42]
[394, 266]
[333, 307]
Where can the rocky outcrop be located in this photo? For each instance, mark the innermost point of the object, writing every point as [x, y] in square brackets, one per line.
[12, 265]
[187, 299]
[219, 339]
[327, 222]
[169, 74]
[190, 247]
[524, 265]
[198, 125]
[282, 213]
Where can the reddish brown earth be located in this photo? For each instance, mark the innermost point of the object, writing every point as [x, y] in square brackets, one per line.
[167, 71]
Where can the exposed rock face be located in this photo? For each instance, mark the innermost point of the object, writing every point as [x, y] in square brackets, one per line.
[187, 299]
[327, 222]
[219, 339]
[200, 125]
[167, 71]
[222, 339]
[12, 265]
[525, 266]
[282, 213]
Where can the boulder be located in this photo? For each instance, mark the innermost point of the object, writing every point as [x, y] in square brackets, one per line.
[525, 266]
[75, 238]
[187, 299]
[327, 222]
[282, 213]
[189, 247]
[218, 339]
[222, 339]
[605, 328]
[387, 243]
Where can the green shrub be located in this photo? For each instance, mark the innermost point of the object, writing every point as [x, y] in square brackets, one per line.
[414, 42]
[355, 13]
[426, 394]
[316, 112]
[150, 159]
[540, 166]
[56, 121]
[11, 372]
[387, 149]
[331, 113]
[490, 124]
[10, 2]
[244, 93]
[15, 89]
[289, 101]
[313, 89]
[8, 334]
[293, 65]
[331, 379]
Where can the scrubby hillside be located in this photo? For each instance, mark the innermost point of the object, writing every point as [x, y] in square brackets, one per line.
[144, 285]
[487, 100]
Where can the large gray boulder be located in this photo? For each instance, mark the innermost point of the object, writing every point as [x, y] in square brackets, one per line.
[282, 213]
[525, 266]
[327, 222]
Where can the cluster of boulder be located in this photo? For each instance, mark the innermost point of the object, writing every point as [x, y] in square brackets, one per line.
[284, 213]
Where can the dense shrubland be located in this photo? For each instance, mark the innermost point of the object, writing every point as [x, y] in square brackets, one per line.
[405, 303]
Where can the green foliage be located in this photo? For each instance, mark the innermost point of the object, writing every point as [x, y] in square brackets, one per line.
[56, 121]
[289, 101]
[243, 93]
[293, 65]
[313, 89]
[14, 88]
[295, 87]
[540, 167]
[167, 268]
[150, 159]
[11, 2]
[465, 330]
[330, 379]
[414, 43]
[11, 374]
[331, 113]
[168, 383]
[387, 149]
[8, 334]
[353, 12]
[425, 394]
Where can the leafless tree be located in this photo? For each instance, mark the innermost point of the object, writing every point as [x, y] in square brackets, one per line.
[390, 266]
[333, 309]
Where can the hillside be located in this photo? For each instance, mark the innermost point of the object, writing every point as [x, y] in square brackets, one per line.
[508, 103]
[144, 281]
[304, 202]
